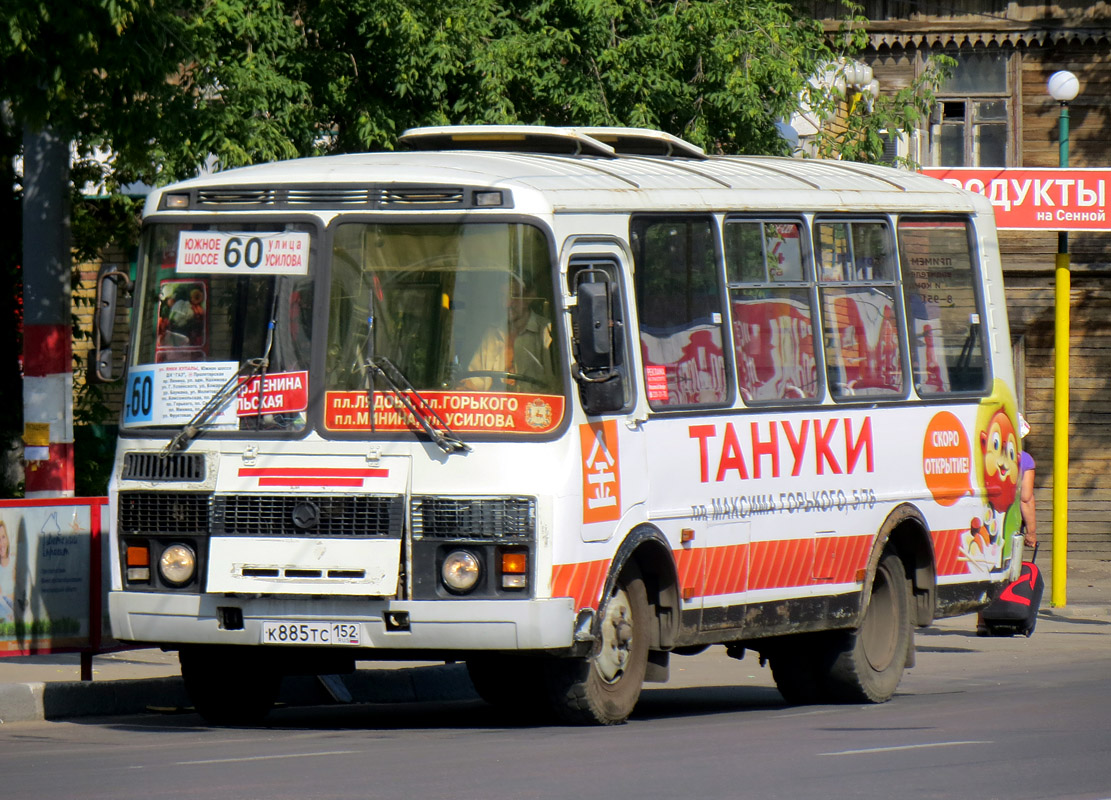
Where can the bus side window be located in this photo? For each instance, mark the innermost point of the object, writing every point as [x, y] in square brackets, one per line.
[860, 315]
[679, 302]
[772, 310]
[943, 306]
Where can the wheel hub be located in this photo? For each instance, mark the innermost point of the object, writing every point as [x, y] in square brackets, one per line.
[617, 638]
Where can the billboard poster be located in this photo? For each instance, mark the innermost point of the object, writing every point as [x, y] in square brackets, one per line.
[46, 572]
[1037, 199]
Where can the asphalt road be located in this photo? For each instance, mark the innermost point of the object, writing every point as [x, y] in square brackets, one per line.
[976, 718]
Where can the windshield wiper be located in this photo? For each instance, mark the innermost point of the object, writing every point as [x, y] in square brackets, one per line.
[400, 387]
[251, 368]
[215, 404]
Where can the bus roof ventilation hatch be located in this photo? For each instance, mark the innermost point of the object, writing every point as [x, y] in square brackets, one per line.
[505, 139]
[574, 141]
[644, 142]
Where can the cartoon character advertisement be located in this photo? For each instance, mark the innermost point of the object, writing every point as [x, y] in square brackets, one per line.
[982, 465]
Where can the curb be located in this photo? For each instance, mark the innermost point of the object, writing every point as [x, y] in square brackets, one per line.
[20, 702]
[61, 700]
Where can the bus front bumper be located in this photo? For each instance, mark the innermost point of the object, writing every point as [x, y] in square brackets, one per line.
[169, 619]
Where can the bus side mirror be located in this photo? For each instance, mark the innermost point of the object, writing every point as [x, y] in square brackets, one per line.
[595, 327]
[601, 387]
[109, 281]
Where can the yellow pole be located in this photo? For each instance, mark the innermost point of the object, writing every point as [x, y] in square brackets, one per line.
[1062, 288]
[1061, 429]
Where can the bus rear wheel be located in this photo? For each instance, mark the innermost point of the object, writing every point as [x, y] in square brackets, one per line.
[604, 688]
[228, 686]
[859, 666]
[799, 671]
[868, 662]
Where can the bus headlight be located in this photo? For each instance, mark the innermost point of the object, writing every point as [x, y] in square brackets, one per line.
[177, 564]
[460, 571]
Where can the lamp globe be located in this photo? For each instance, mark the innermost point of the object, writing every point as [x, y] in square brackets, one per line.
[1063, 86]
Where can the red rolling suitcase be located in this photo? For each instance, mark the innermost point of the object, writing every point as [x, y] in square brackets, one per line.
[1016, 609]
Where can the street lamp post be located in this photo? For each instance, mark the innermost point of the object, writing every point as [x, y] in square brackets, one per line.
[1063, 86]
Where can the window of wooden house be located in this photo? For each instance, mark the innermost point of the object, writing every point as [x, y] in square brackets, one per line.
[972, 121]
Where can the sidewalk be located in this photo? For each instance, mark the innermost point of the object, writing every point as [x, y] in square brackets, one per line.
[133, 681]
[1087, 587]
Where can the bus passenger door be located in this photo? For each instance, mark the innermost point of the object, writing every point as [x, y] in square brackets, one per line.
[612, 440]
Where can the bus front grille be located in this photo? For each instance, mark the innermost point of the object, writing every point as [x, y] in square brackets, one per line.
[499, 519]
[304, 515]
[163, 512]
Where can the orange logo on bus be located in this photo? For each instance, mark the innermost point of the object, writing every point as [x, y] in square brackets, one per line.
[601, 472]
[947, 459]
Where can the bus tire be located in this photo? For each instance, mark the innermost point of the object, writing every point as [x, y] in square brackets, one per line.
[798, 674]
[227, 688]
[604, 688]
[868, 662]
[509, 683]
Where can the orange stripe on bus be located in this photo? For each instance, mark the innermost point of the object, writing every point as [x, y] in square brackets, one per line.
[582, 582]
[947, 546]
[733, 569]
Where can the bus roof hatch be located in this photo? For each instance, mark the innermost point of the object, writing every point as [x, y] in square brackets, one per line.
[579, 141]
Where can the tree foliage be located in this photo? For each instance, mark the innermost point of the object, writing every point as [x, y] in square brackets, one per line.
[159, 85]
[859, 136]
[717, 72]
[164, 87]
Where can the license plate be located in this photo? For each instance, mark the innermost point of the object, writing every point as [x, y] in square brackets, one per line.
[332, 633]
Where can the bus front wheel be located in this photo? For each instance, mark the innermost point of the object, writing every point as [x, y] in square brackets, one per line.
[228, 686]
[509, 683]
[604, 688]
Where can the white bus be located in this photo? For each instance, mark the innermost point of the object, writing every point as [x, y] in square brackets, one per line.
[559, 403]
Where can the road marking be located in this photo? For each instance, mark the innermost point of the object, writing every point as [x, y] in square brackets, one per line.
[267, 758]
[901, 747]
[792, 714]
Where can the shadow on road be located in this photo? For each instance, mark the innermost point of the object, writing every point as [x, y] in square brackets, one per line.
[466, 714]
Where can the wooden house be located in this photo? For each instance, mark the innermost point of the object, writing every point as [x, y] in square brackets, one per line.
[995, 110]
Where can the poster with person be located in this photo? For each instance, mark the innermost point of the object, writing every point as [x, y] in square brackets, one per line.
[45, 574]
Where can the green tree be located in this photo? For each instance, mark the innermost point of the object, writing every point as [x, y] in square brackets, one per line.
[162, 87]
[168, 86]
[720, 73]
[859, 137]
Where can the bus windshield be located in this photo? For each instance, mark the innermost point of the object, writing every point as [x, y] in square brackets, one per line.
[463, 311]
[216, 302]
